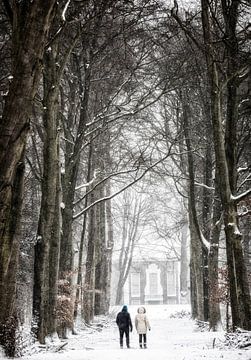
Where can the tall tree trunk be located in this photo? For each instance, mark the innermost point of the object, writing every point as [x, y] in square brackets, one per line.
[48, 237]
[89, 280]
[109, 249]
[214, 306]
[103, 279]
[52, 317]
[100, 261]
[199, 252]
[123, 256]
[131, 216]
[79, 290]
[31, 24]
[206, 213]
[239, 289]
[231, 13]
[184, 262]
[72, 159]
[109, 243]
[89, 284]
[196, 275]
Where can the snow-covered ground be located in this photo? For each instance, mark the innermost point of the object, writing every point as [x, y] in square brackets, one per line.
[169, 339]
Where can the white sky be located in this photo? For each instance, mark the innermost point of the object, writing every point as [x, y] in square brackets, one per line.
[169, 339]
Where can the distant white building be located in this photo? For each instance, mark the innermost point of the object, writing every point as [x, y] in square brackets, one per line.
[152, 282]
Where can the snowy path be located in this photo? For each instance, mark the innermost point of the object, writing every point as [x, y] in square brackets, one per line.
[169, 339]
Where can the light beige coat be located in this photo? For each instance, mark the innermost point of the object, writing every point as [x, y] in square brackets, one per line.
[141, 322]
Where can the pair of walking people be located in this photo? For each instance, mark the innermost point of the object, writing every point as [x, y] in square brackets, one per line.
[124, 323]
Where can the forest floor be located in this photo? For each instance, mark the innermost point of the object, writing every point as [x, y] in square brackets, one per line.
[171, 338]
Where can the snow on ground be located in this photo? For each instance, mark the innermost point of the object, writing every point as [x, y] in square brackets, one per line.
[169, 339]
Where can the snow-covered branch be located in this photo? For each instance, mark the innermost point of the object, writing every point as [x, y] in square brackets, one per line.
[204, 186]
[65, 9]
[67, 140]
[101, 182]
[205, 242]
[85, 185]
[122, 113]
[240, 197]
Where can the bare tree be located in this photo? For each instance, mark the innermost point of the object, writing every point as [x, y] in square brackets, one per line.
[225, 149]
[132, 220]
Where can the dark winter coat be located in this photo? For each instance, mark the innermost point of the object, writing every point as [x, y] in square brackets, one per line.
[123, 319]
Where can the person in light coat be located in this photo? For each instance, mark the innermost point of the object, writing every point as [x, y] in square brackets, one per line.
[142, 325]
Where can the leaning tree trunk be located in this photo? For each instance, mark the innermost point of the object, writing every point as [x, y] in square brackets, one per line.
[31, 23]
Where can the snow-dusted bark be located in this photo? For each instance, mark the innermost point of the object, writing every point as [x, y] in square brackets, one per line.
[213, 262]
[225, 148]
[184, 260]
[48, 235]
[31, 23]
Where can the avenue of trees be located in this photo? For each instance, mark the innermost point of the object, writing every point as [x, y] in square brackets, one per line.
[102, 100]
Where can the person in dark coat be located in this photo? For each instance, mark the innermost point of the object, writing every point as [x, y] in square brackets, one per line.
[124, 323]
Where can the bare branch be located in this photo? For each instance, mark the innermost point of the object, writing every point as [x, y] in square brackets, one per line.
[241, 197]
[125, 187]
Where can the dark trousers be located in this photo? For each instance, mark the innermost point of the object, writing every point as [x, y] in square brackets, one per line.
[121, 335]
[142, 337]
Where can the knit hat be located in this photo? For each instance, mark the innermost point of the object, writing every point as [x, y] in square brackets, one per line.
[124, 308]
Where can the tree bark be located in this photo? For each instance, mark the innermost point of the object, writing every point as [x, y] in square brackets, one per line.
[130, 223]
[198, 251]
[69, 179]
[109, 249]
[196, 275]
[48, 235]
[184, 262]
[31, 23]
[79, 290]
[103, 244]
[239, 290]
[100, 260]
[89, 284]
[214, 306]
